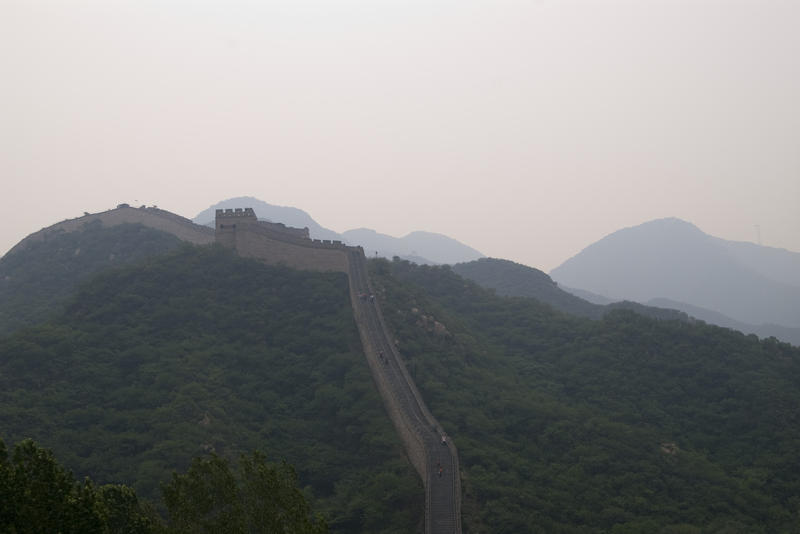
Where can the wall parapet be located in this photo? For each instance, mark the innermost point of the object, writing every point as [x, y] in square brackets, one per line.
[276, 243]
[235, 212]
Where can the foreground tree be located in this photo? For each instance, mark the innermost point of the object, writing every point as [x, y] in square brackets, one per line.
[258, 498]
[37, 495]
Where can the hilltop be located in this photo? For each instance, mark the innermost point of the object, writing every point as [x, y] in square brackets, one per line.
[511, 279]
[43, 271]
[672, 259]
[419, 247]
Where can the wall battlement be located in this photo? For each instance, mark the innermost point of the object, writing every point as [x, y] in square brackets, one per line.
[237, 212]
[276, 243]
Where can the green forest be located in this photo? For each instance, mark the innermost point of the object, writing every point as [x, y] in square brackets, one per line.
[510, 279]
[161, 370]
[38, 495]
[36, 281]
[200, 351]
[626, 424]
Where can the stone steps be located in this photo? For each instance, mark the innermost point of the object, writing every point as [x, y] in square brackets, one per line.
[420, 431]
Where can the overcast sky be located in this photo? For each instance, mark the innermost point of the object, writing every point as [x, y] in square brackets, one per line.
[525, 129]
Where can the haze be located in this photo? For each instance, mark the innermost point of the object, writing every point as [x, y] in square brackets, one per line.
[527, 130]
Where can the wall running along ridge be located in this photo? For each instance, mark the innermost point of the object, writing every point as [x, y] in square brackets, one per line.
[158, 219]
[420, 432]
[272, 243]
[417, 427]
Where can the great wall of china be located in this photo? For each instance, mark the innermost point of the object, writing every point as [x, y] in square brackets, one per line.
[152, 217]
[272, 243]
[421, 433]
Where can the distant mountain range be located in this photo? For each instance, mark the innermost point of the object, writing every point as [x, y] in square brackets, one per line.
[784, 333]
[663, 268]
[419, 247]
[670, 262]
[511, 279]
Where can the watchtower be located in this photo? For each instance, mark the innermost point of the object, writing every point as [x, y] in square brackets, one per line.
[229, 221]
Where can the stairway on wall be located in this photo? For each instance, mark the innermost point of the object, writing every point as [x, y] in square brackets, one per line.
[420, 431]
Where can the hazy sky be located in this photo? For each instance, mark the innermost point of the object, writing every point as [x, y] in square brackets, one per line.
[527, 130]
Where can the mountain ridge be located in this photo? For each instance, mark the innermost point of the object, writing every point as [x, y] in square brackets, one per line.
[512, 279]
[418, 246]
[673, 259]
[552, 413]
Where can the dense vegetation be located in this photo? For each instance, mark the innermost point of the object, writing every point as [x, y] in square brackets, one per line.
[511, 279]
[37, 495]
[255, 497]
[626, 424]
[622, 424]
[37, 279]
[200, 351]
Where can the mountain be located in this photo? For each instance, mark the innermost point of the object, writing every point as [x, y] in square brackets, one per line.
[516, 280]
[419, 247]
[789, 335]
[563, 424]
[594, 298]
[43, 269]
[195, 351]
[673, 259]
[623, 424]
[776, 264]
[289, 216]
[36, 279]
[512, 279]
[438, 247]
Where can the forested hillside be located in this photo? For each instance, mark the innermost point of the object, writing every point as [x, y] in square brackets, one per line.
[564, 424]
[35, 281]
[511, 279]
[250, 496]
[153, 364]
[626, 424]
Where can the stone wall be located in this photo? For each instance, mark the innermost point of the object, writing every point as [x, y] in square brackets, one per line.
[278, 244]
[414, 446]
[158, 219]
[416, 426]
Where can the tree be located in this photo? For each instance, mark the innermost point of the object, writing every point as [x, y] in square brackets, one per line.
[38, 495]
[259, 497]
[124, 514]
